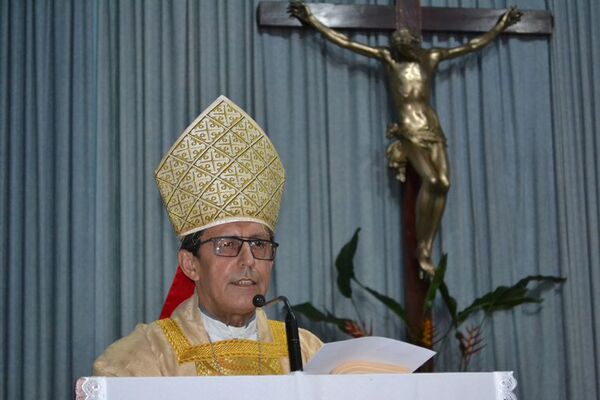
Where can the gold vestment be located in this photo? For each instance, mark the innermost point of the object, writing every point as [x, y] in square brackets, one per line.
[180, 346]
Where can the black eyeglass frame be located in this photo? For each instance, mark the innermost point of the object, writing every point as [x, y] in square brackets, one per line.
[251, 242]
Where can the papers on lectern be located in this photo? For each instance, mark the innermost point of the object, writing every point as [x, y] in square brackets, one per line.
[370, 349]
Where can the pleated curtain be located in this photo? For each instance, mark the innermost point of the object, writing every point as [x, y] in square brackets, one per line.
[92, 93]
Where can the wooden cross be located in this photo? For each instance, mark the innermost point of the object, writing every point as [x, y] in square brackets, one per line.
[408, 14]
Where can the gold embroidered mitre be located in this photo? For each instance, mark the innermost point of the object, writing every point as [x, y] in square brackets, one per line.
[223, 168]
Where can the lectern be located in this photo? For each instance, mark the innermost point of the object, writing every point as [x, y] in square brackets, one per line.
[434, 386]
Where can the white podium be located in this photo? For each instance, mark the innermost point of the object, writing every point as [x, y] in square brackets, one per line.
[434, 386]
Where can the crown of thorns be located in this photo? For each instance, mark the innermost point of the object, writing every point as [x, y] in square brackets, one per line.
[405, 36]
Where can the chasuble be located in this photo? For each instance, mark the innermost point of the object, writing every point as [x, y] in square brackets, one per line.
[180, 346]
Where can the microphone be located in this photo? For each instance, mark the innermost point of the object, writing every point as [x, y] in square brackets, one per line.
[291, 329]
[259, 300]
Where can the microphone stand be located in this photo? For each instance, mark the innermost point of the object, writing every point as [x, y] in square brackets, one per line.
[291, 330]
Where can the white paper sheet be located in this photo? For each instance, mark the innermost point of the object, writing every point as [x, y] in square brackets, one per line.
[371, 349]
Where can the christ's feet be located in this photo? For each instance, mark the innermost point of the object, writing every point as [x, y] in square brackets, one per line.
[425, 264]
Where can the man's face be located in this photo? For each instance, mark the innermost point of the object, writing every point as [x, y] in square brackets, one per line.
[405, 43]
[226, 285]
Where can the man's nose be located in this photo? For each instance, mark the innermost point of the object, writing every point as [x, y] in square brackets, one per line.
[246, 256]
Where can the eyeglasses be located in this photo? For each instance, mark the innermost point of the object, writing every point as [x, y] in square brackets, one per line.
[230, 246]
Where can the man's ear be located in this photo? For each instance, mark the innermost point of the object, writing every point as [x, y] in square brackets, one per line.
[189, 264]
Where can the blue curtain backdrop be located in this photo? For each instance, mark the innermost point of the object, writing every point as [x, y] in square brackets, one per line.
[92, 93]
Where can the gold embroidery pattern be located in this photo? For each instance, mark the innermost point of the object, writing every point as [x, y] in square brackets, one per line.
[223, 167]
[229, 357]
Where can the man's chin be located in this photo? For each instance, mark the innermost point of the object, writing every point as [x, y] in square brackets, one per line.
[242, 296]
[243, 301]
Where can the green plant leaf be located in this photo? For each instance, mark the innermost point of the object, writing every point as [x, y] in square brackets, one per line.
[344, 263]
[504, 298]
[435, 283]
[501, 295]
[314, 314]
[541, 279]
[390, 303]
[449, 301]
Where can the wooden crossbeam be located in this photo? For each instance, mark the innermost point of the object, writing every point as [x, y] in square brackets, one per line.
[382, 18]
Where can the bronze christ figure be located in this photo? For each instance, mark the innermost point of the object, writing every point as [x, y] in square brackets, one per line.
[417, 134]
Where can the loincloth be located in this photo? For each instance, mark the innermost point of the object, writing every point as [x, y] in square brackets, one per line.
[397, 153]
[423, 138]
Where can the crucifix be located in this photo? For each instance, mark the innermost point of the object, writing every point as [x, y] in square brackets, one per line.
[419, 142]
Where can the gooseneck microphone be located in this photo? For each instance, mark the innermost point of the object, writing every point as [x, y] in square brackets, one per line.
[291, 329]
[259, 300]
